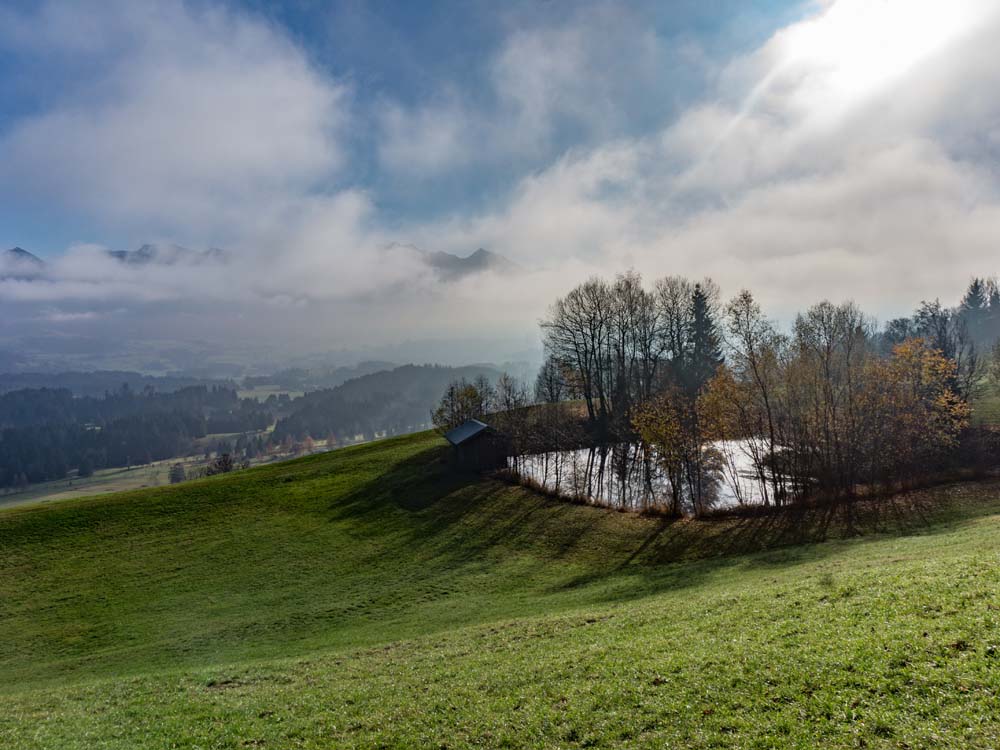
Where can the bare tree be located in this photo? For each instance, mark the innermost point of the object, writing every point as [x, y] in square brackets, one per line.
[673, 300]
[576, 335]
[755, 351]
[550, 384]
[948, 332]
[510, 394]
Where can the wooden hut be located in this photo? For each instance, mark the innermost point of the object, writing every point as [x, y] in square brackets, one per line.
[477, 447]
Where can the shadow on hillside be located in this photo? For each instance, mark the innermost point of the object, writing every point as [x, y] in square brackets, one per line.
[413, 484]
[752, 532]
[464, 519]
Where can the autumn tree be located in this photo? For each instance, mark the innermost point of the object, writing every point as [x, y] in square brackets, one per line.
[915, 397]
[669, 424]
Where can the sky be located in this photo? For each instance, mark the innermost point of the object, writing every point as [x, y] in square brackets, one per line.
[829, 149]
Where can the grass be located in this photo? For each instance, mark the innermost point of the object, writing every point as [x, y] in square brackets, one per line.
[369, 597]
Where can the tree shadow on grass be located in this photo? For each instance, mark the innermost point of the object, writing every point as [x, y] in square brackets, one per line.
[414, 484]
[460, 519]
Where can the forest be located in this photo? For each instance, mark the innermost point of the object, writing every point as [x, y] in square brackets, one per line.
[47, 433]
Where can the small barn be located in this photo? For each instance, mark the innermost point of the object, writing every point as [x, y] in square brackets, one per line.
[477, 447]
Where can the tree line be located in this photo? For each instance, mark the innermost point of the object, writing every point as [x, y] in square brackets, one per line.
[713, 391]
[220, 406]
[617, 344]
[833, 407]
[978, 313]
[820, 411]
[47, 433]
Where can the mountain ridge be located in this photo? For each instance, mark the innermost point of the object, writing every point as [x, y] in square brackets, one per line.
[452, 267]
[18, 264]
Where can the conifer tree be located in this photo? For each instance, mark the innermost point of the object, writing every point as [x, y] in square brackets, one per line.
[975, 299]
[705, 352]
[974, 309]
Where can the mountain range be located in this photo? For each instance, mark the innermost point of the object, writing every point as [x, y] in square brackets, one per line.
[18, 263]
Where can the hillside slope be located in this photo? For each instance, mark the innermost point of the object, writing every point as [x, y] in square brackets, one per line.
[368, 597]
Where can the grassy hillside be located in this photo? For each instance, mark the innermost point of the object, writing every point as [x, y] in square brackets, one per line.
[367, 597]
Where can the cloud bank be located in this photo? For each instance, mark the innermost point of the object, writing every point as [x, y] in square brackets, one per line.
[852, 154]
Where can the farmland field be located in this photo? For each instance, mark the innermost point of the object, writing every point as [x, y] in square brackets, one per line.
[103, 481]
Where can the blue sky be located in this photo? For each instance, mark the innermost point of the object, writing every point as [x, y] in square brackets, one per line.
[824, 149]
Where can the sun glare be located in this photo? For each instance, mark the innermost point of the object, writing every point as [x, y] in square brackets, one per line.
[859, 47]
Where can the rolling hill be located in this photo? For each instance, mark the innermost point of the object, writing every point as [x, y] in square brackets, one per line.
[369, 597]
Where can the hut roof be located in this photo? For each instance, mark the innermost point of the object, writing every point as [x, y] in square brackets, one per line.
[465, 431]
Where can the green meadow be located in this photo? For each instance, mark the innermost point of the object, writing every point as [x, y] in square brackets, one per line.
[370, 597]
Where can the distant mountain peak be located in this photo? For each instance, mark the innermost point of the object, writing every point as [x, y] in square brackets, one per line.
[21, 255]
[17, 263]
[451, 267]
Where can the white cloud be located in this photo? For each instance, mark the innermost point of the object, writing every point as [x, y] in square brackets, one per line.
[584, 81]
[796, 176]
[428, 140]
[192, 117]
[789, 181]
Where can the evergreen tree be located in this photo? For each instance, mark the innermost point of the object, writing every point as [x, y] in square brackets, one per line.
[705, 349]
[975, 299]
[974, 309]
